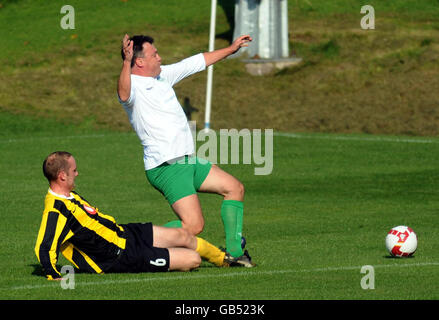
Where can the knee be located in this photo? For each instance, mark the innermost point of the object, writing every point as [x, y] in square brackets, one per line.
[192, 261]
[186, 238]
[240, 189]
[236, 191]
[198, 228]
[183, 259]
[195, 260]
[194, 228]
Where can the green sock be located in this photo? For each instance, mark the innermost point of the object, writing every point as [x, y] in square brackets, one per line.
[173, 224]
[232, 212]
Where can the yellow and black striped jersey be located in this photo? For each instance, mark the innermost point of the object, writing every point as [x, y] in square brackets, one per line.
[89, 239]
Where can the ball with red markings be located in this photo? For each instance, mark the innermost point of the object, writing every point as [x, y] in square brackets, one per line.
[401, 241]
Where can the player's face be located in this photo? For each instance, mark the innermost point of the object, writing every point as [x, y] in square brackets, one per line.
[71, 173]
[152, 59]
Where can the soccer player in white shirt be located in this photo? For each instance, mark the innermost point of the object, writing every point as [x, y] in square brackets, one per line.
[145, 91]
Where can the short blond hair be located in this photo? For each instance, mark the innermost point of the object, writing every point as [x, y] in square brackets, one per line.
[55, 163]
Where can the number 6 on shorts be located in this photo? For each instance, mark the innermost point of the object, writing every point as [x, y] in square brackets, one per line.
[158, 262]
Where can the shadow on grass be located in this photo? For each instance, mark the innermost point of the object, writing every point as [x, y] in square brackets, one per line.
[39, 271]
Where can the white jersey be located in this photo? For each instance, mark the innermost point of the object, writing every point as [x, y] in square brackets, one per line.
[157, 116]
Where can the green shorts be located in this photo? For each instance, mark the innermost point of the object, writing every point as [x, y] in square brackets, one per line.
[179, 179]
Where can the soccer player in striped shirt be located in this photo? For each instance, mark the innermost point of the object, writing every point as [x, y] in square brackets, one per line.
[93, 242]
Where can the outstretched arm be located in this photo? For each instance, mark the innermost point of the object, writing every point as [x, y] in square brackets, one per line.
[49, 241]
[217, 55]
[124, 83]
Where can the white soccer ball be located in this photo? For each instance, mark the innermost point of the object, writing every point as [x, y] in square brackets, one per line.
[401, 241]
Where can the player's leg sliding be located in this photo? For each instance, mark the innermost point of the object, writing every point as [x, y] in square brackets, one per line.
[210, 253]
[218, 257]
[232, 212]
[173, 224]
[221, 258]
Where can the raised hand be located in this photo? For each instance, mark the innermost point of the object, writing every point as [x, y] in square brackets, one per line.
[240, 42]
[127, 48]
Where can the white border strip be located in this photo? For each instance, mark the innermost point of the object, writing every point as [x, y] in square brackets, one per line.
[189, 276]
[353, 138]
[60, 138]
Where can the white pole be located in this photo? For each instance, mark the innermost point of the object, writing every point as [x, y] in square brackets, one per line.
[210, 68]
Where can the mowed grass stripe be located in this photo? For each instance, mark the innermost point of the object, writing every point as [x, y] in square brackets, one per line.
[224, 275]
[314, 136]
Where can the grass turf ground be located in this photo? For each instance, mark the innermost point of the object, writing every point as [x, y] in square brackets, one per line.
[311, 225]
[330, 200]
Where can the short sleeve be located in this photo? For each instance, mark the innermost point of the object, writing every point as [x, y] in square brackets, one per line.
[176, 72]
[130, 102]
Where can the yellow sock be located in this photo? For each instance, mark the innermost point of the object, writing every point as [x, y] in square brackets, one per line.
[209, 252]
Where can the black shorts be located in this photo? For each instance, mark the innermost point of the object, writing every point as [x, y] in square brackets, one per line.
[139, 254]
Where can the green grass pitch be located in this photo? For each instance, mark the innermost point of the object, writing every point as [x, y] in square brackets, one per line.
[311, 225]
